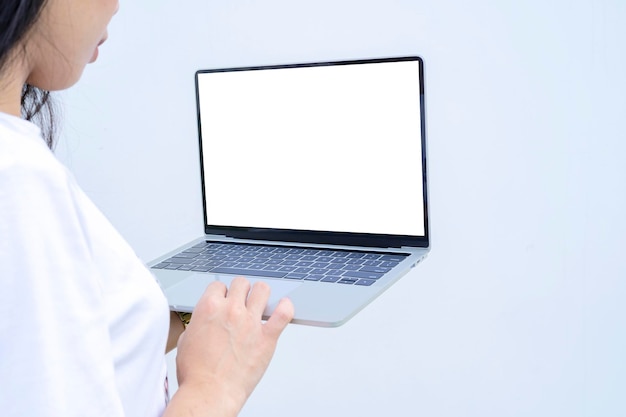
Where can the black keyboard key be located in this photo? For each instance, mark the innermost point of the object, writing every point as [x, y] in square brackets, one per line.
[364, 275]
[365, 282]
[295, 275]
[210, 264]
[177, 260]
[186, 267]
[377, 269]
[331, 278]
[314, 277]
[201, 269]
[186, 255]
[347, 281]
[324, 259]
[273, 268]
[233, 259]
[351, 267]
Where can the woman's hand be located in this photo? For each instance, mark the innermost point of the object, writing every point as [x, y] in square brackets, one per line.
[226, 348]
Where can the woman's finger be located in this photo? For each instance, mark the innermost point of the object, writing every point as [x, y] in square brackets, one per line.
[238, 290]
[216, 289]
[257, 300]
[280, 318]
[213, 296]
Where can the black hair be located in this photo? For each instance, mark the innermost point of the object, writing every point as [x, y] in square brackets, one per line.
[17, 17]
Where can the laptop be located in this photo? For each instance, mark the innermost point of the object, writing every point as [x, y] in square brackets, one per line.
[313, 180]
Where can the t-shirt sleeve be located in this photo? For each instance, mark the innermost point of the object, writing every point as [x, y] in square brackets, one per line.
[55, 349]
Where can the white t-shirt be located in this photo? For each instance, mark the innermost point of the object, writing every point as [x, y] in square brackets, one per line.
[83, 323]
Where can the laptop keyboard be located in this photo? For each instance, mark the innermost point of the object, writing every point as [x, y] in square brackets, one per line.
[295, 263]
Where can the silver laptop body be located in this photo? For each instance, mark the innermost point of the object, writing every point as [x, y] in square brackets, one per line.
[318, 170]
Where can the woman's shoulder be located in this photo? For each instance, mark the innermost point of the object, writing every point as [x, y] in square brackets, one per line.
[25, 157]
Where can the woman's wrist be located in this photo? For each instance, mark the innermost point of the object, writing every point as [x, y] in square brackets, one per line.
[203, 399]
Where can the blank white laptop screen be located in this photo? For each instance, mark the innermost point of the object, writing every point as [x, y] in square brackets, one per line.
[317, 148]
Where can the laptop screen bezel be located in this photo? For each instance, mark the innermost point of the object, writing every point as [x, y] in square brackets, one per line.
[323, 237]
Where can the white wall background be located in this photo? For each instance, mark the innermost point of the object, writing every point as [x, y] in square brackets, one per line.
[520, 309]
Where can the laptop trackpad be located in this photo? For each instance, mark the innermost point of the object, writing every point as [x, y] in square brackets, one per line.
[184, 295]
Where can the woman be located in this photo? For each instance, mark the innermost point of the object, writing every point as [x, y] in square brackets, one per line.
[84, 325]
